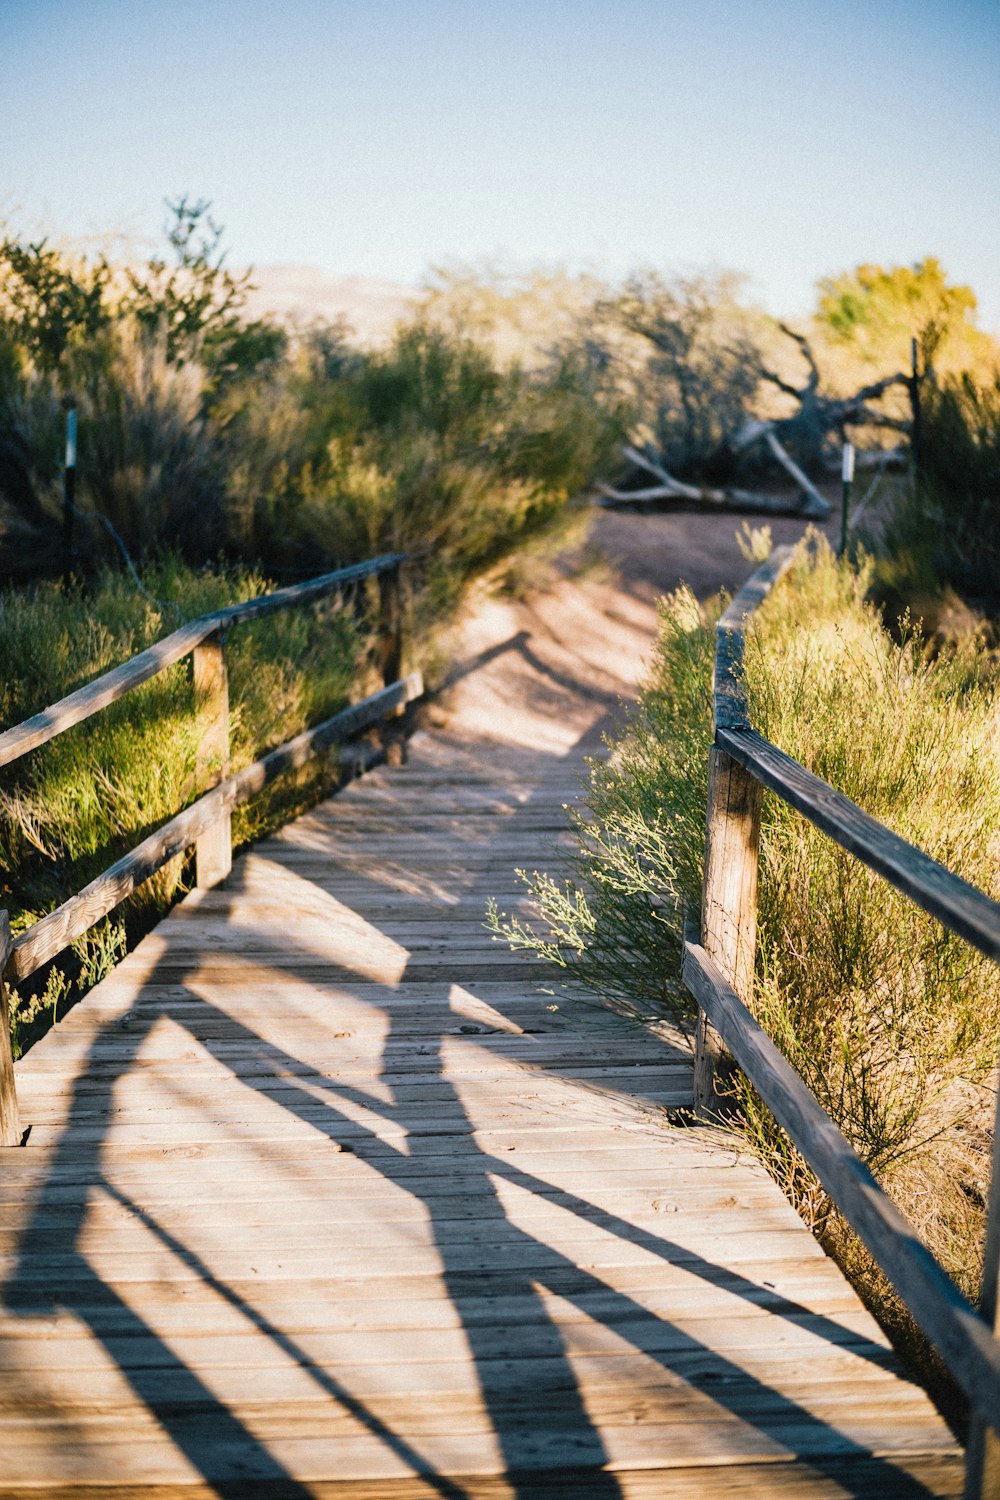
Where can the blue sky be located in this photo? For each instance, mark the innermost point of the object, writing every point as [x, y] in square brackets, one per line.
[784, 140]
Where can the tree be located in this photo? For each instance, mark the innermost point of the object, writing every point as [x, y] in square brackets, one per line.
[47, 301]
[875, 312]
[196, 304]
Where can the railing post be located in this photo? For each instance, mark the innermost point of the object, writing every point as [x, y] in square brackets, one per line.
[214, 850]
[728, 908]
[982, 1462]
[390, 628]
[390, 651]
[10, 1120]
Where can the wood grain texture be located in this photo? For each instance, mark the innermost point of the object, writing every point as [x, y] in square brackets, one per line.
[10, 1119]
[728, 907]
[953, 1325]
[728, 694]
[214, 849]
[323, 1196]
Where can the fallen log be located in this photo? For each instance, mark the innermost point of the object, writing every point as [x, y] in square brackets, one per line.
[809, 503]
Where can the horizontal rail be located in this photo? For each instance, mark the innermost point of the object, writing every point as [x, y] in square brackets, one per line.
[71, 920]
[728, 695]
[953, 1325]
[108, 688]
[962, 907]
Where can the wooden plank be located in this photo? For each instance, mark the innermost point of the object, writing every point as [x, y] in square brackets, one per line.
[982, 1479]
[910, 1477]
[214, 849]
[960, 906]
[10, 1119]
[952, 1324]
[728, 694]
[90, 699]
[307, 591]
[76, 916]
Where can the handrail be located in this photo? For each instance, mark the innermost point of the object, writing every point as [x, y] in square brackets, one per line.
[54, 932]
[110, 686]
[718, 970]
[205, 823]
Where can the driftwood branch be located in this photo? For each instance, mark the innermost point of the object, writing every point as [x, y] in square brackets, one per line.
[812, 504]
[806, 350]
[816, 505]
[817, 418]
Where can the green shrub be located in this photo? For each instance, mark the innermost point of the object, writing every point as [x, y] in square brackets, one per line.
[943, 529]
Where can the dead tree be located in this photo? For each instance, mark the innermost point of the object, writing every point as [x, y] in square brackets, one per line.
[808, 431]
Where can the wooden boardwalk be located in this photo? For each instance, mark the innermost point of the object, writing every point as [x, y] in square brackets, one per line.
[322, 1197]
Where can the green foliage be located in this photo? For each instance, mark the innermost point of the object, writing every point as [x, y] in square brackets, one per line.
[47, 302]
[876, 311]
[195, 306]
[891, 1020]
[200, 432]
[943, 529]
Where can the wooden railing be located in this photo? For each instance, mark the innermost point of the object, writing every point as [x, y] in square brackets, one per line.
[718, 970]
[206, 823]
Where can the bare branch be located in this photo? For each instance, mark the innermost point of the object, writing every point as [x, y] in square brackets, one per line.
[806, 350]
[817, 505]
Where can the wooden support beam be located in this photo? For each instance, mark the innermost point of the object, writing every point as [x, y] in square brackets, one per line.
[961, 907]
[982, 1472]
[214, 849]
[108, 688]
[390, 632]
[10, 1119]
[728, 909]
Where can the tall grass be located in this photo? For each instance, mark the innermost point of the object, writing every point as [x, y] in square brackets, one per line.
[71, 807]
[891, 1020]
[942, 531]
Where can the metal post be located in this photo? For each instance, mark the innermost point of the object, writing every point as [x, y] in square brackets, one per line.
[916, 427]
[847, 477]
[69, 492]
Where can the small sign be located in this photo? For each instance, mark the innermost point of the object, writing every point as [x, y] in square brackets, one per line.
[847, 472]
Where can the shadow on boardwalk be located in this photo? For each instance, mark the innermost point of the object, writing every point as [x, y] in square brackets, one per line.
[535, 1406]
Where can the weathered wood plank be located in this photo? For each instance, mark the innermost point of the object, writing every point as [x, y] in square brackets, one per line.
[214, 849]
[10, 1119]
[728, 694]
[108, 688]
[910, 1478]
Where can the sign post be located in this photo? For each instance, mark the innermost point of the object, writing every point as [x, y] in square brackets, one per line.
[847, 476]
[69, 491]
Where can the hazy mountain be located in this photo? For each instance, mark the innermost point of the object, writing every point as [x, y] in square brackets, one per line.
[301, 294]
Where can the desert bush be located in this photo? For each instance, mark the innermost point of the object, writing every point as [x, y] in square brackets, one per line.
[943, 528]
